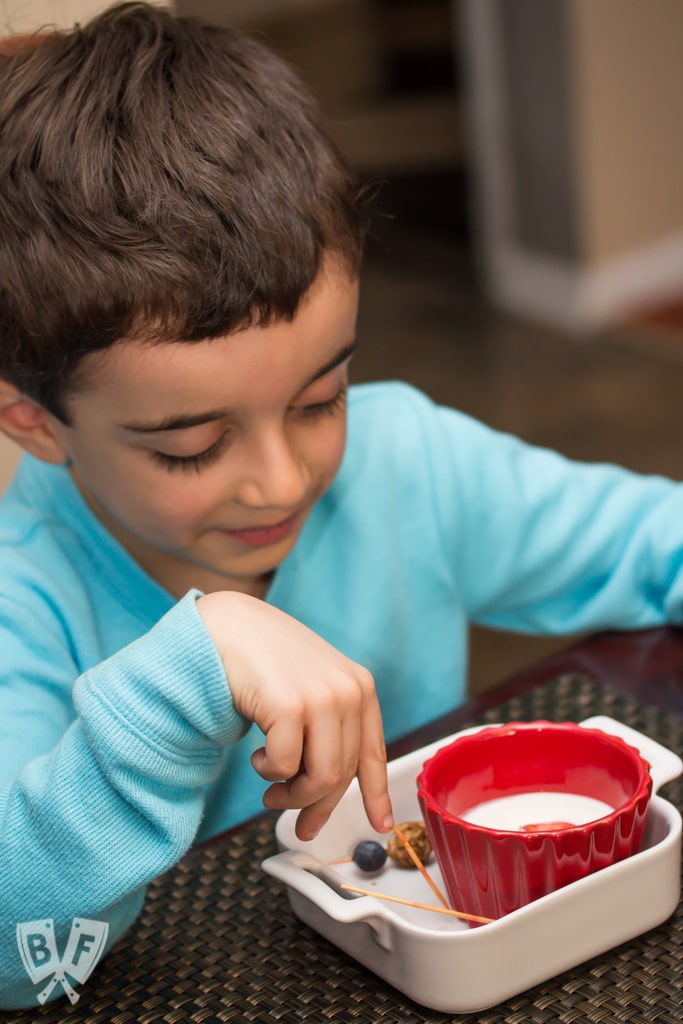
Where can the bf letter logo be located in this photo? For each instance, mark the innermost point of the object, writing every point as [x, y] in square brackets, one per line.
[38, 949]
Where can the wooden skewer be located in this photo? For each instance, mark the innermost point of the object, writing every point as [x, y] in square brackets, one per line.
[421, 868]
[420, 906]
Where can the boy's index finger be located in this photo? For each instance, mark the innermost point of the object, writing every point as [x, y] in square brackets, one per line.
[372, 771]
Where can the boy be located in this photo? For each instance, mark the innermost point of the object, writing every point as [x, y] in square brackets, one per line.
[194, 554]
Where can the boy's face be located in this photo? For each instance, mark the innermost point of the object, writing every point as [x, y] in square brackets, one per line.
[205, 458]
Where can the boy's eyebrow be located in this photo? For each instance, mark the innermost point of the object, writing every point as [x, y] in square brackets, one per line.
[183, 421]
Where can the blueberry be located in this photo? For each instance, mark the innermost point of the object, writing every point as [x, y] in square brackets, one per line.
[369, 855]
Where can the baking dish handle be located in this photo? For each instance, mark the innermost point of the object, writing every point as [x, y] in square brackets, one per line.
[318, 883]
[664, 764]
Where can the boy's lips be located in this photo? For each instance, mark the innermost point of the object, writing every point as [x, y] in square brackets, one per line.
[259, 536]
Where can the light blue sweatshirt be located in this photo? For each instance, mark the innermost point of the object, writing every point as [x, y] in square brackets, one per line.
[119, 743]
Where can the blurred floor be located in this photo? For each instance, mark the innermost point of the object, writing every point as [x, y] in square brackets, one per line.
[423, 319]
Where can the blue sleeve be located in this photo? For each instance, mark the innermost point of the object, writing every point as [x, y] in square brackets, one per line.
[543, 544]
[102, 793]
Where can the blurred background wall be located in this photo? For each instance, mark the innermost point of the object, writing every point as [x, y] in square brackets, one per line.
[578, 145]
[567, 116]
[30, 15]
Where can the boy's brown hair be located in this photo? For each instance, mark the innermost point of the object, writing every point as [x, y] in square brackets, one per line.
[160, 179]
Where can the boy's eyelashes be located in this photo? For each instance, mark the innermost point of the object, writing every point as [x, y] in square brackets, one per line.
[209, 455]
[328, 407]
[193, 462]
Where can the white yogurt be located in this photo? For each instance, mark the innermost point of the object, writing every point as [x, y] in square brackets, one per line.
[513, 813]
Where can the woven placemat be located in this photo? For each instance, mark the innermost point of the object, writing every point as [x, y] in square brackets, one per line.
[217, 941]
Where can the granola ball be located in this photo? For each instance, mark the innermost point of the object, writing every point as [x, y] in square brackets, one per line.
[416, 834]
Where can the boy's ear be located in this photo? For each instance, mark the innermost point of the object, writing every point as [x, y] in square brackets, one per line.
[27, 423]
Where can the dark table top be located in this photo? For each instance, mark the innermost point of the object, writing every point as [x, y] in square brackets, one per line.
[217, 941]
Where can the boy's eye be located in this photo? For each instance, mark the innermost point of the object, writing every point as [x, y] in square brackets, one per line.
[192, 462]
[328, 407]
[202, 459]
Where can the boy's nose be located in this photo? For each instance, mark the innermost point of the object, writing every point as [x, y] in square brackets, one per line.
[275, 474]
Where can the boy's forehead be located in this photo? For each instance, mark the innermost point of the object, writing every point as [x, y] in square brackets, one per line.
[164, 378]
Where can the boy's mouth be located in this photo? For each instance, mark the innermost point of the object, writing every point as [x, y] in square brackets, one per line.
[259, 536]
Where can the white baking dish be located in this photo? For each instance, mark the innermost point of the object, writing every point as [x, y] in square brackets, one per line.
[439, 961]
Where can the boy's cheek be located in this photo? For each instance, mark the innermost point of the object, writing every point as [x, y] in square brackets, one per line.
[159, 511]
[171, 515]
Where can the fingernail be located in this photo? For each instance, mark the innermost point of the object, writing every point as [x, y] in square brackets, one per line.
[388, 821]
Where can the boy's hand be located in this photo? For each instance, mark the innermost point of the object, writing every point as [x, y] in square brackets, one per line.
[317, 709]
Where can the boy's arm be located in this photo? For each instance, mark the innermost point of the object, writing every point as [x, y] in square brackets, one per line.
[543, 544]
[99, 797]
[116, 796]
